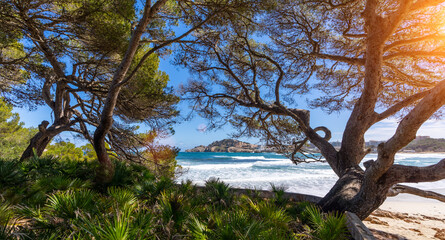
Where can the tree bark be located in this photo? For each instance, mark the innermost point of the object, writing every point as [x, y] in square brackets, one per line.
[43, 138]
[348, 194]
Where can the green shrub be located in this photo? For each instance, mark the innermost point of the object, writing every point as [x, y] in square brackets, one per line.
[218, 193]
[10, 173]
[123, 198]
[173, 209]
[330, 226]
[279, 197]
[65, 204]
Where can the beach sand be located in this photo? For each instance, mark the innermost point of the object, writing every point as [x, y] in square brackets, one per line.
[408, 217]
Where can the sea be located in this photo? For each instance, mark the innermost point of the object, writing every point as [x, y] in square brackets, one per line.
[262, 170]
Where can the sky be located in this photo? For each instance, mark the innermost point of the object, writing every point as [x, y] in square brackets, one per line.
[189, 134]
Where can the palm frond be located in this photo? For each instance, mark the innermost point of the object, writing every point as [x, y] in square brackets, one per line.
[65, 204]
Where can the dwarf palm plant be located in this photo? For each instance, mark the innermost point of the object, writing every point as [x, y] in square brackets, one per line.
[102, 227]
[218, 193]
[330, 226]
[173, 209]
[236, 224]
[9, 223]
[59, 182]
[6, 212]
[119, 224]
[36, 215]
[10, 173]
[37, 167]
[198, 230]
[271, 214]
[123, 198]
[279, 197]
[150, 189]
[8, 230]
[77, 169]
[66, 204]
[333, 227]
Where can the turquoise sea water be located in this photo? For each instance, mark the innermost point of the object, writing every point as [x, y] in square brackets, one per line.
[260, 170]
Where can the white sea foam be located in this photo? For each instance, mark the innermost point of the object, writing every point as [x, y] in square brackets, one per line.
[250, 157]
[420, 155]
[314, 178]
[280, 162]
[278, 159]
[231, 165]
[219, 166]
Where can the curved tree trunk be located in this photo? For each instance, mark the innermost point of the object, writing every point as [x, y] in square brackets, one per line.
[348, 194]
[44, 137]
[39, 141]
[105, 172]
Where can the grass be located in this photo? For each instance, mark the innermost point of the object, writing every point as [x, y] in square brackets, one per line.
[45, 198]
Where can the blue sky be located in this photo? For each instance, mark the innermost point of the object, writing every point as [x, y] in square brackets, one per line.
[190, 133]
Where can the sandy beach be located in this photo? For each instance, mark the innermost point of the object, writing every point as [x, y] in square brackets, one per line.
[408, 217]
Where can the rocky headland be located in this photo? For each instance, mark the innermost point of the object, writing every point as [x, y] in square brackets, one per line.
[228, 145]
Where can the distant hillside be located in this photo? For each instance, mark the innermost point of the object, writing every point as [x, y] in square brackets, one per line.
[427, 145]
[226, 145]
[420, 144]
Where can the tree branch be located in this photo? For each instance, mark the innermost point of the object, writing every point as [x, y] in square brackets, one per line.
[350, 60]
[414, 54]
[398, 106]
[406, 131]
[411, 174]
[397, 189]
[396, 18]
[162, 45]
[413, 40]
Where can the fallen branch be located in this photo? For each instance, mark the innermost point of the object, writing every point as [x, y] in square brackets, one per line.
[397, 189]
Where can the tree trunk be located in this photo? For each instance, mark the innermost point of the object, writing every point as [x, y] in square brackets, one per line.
[44, 137]
[348, 195]
[38, 142]
[105, 171]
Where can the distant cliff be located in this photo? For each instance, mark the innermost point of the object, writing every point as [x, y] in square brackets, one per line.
[227, 145]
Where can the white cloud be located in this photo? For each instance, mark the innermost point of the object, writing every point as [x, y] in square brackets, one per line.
[202, 127]
[433, 128]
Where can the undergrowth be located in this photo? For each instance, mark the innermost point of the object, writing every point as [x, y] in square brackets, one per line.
[44, 198]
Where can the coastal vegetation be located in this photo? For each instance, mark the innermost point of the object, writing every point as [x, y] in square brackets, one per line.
[50, 198]
[95, 65]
